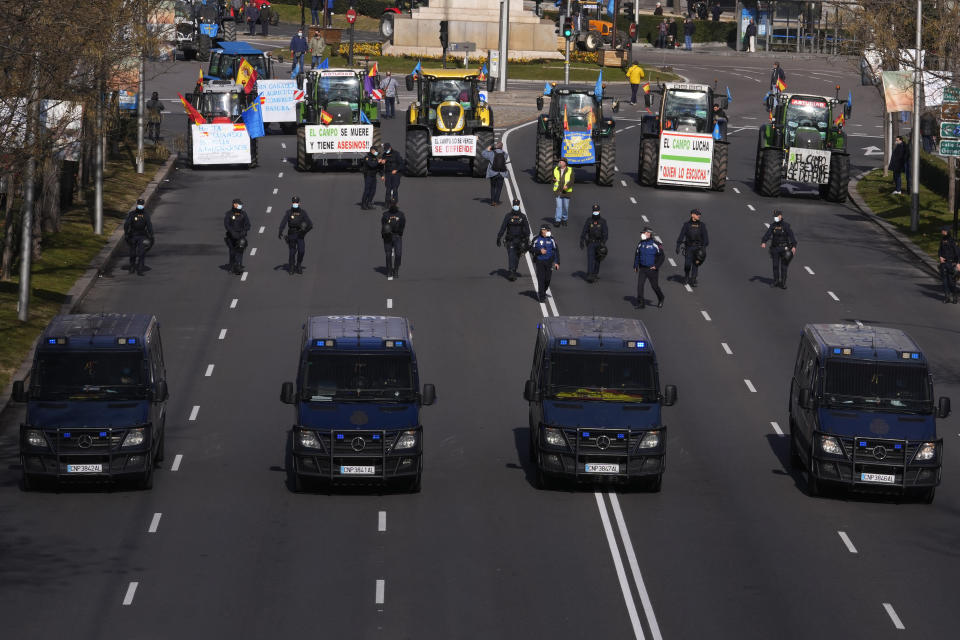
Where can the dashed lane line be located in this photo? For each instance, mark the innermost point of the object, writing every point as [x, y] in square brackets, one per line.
[847, 542]
[131, 591]
[644, 218]
[736, 191]
[381, 587]
[633, 200]
[726, 348]
[776, 428]
[283, 145]
[243, 276]
[223, 334]
[262, 229]
[269, 209]
[382, 521]
[672, 263]
[154, 523]
[809, 270]
[893, 615]
[233, 303]
[193, 412]
[706, 316]
[688, 288]
[177, 459]
[280, 175]
[275, 190]
[749, 385]
[209, 371]
[253, 251]
[833, 295]
[751, 207]
[623, 183]
[389, 303]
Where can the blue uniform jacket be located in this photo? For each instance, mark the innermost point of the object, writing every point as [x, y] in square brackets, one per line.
[649, 254]
[553, 251]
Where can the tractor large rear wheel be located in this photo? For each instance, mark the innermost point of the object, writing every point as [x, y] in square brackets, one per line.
[592, 41]
[229, 30]
[647, 172]
[304, 162]
[718, 170]
[418, 152]
[545, 158]
[484, 140]
[771, 172]
[836, 189]
[203, 48]
[607, 161]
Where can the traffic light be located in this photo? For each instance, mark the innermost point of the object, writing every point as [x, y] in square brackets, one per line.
[567, 28]
[444, 34]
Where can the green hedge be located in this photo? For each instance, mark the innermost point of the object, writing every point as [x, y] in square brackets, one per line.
[933, 174]
[372, 8]
[706, 31]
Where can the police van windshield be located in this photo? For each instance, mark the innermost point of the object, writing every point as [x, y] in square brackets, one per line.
[334, 376]
[90, 375]
[875, 385]
[578, 111]
[603, 376]
[685, 111]
[338, 89]
[220, 105]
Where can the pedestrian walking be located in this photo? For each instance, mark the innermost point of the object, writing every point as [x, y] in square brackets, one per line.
[328, 15]
[315, 13]
[517, 229]
[750, 37]
[593, 237]
[371, 168]
[497, 160]
[715, 11]
[138, 232]
[783, 246]
[688, 30]
[634, 76]
[237, 224]
[778, 79]
[392, 225]
[155, 110]
[949, 256]
[392, 172]
[928, 129]
[562, 189]
[252, 13]
[546, 260]
[693, 239]
[662, 30]
[297, 224]
[646, 262]
[266, 14]
[898, 164]
[318, 47]
[298, 48]
[389, 87]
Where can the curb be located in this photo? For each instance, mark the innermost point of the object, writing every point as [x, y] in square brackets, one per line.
[84, 283]
[892, 231]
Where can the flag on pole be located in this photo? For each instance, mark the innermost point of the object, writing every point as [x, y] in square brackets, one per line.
[850, 99]
[195, 116]
[483, 72]
[373, 71]
[363, 118]
[416, 69]
[546, 88]
[729, 97]
[295, 70]
[646, 87]
[253, 119]
[716, 131]
[200, 76]
[839, 120]
[598, 87]
[325, 117]
[368, 84]
[244, 71]
[325, 64]
[610, 8]
[781, 85]
[566, 125]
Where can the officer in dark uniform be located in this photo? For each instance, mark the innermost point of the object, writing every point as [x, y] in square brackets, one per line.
[517, 228]
[594, 238]
[782, 242]
[392, 225]
[237, 224]
[138, 232]
[392, 172]
[298, 225]
[371, 169]
[694, 240]
[546, 259]
[949, 256]
[647, 262]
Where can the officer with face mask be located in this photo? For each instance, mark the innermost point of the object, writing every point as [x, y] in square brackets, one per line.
[392, 172]
[594, 238]
[138, 232]
[783, 246]
[694, 240]
[517, 229]
[237, 224]
[546, 260]
[392, 225]
[646, 263]
[297, 224]
[371, 168]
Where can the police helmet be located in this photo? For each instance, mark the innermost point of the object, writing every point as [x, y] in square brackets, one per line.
[295, 199]
[601, 252]
[387, 148]
[699, 255]
[516, 201]
[147, 243]
[140, 201]
[596, 209]
[237, 201]
[242, 243]
[787, 254]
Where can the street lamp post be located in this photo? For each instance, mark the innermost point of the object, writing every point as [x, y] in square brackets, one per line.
[915, 134]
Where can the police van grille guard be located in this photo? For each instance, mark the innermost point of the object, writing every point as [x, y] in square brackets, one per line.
[879, 455]
[377, 450]
[604, 445]
[103, 449]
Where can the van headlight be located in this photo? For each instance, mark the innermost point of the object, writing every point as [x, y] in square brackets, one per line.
[830, 445]
[927, 451]
[407, 440]
[649, 440]
[35, 438]
[134, 437]
[308, 439]
[553, 437]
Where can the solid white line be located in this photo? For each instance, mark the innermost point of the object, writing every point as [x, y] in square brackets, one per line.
[243, 276]
[382, 521]
[253, 251]
[688, 288]
[618, 565]
[633, 200]
[635, 569]
[233, 303]
[381, 585]
[275, 191]
[131, 591]
[735, 190]
[154, 523]
[209, 371]
[847, 541]
[177, 459]
[672, 262]
[644, 218]
[389, 303]
[751, 207]
[194, 412]
[553, 304]
[809, 270]
[833, 295]
[269, 209]
[893, 615]
[280, 175]
[223, 334]
[749, 385]
[727, 348]
[623, 183]
[262, 229]
[776, 427]
[706, 316]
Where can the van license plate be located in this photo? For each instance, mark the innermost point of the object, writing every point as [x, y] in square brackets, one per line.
[84, 468]
[601, 468]
[356, 470]
[878, 477]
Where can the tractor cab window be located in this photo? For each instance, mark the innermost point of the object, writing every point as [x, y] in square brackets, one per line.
[450, 91]
[808, 114]
[686, 111]
[338, 89]
[220, 105]
[578, 111]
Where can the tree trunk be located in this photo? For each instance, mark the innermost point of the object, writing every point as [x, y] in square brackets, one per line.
[49, 200]
[11, 233]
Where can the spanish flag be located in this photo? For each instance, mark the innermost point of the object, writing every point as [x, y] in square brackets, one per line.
[646, 87]
[840, 119]
[200, 76]
[195, 116]
[246, 76]
[781, 85]
[566, 125]
[325, 118]
[373, 70]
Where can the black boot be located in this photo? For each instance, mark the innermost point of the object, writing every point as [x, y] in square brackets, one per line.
[640, 304]
[686, 278]
[693, 282]
[660, 303]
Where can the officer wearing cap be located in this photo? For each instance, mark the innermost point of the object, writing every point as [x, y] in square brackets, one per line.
[392, 172]
[783, 246]
[297, 224]
[646, 262]
[517, 229]
[949, 256]
[594, 238]
[392, 225]
[138, 232]
[694, 240]
[546, 259]
[237, 224]
[371, 168]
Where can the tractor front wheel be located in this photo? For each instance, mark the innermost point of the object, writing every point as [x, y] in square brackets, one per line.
[203, 48]
[229, 30]
[545, 158]
[304, 162]
[484, 140]
[647, 172]
[607, 161]
[418, 152]
[771, 173]
[718, 170]
[836, 189]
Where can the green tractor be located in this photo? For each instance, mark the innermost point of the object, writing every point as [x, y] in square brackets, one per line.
[804, 142]
[338, 121]
[685, 143]
[576, 128]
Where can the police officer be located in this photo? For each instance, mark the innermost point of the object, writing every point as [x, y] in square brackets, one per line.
[392, 225]
[517, 228]
[298, 225]
[949, 256]
[783, 246]
[594, 238]
[694, 240]
[371, 168]
[237, 224]
[155, 110]
[646, 262]
[392, 172]
[546, 259]
[138, 232]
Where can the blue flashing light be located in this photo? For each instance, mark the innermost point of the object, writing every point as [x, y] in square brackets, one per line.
[586, 434]
[641, 344]
[863, 443]
[898, 446]
[398, 343]
[837, 350]
[563, 342]
[620, 436]
[103, 434]
[66, 435]
[319, 343]
[914, 356]
[131, 341]
[51, 341]
[339, 436]
[376, 436]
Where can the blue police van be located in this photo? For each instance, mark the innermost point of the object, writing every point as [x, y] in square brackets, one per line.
[357, 399]
[96, 401]
[594, 398]
[862, 414]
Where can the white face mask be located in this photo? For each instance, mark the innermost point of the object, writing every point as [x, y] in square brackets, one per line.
[295, 205]
[374, 153]
[300, 33]
[516, 207]
[645, 236]
[139, 207]
[239, 207]
[777, 218]
[547, 234]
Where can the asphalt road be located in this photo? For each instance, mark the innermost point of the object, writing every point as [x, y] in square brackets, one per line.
[731, 548]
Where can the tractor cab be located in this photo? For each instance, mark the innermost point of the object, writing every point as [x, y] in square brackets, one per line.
[221, 101]
[579, 111]
[339, 92]
[451, 99]
[226, 59]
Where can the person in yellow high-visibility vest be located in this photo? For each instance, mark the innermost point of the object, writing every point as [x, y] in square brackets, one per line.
[634, 76]
[562, 188]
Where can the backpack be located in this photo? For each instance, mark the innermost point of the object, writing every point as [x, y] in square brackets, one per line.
[499, 163]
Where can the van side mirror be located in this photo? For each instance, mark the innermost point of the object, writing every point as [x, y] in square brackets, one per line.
[286, 393]
[669, 395]
[20, 393]
[539, 103]
[429, 395]
[530, 392]
[409, 81]
[806, 399]
[161, 393]
[943, 410]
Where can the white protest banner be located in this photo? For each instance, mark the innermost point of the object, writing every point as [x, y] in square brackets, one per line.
[685, 159]
[337, 139]
[220, 144]
[454, 145]
[278, 98]
[808, 165]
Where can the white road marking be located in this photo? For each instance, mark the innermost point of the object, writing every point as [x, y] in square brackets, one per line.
[847, 542]
[209, 371]
[382, 521]
[131, 591]
[809, 270]
[623, 183]
[633, 200]
[766, 224]
[253, 251]
[283, 145]
[269, 209]
[706, 316]
[381, 585]
[616, 168]
[618, 565]
[194, 412]
[243, 276]
[154, 523]
[749, 118]
[275, 191]
[262, 229]
[672, 263]
[233, 303]
[619, 130]
[688, 288]
[751, 207]
[776, 428]
[553, 304]
[858, 323]
[727, 348]
[644, 218]
[893, 615]
[657, 238]
[749, 385]
[833, 295]
[223, 334]
[283, 159]
[389, 303]
[635, 569]
[280, 175]
[177, 459]
[735, 190]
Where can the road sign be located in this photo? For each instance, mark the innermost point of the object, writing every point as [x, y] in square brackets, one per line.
[351, 16]
[950, 129]
[951, 94]
[633, 30]
[462, 46]
[949, 148]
